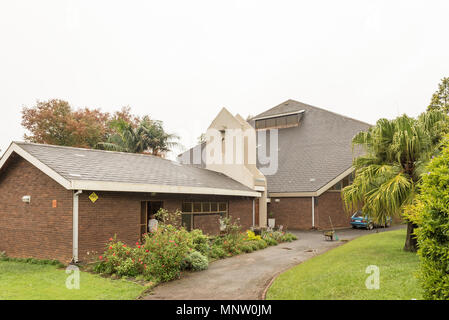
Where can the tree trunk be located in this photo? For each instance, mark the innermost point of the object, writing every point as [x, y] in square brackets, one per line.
[411, 244]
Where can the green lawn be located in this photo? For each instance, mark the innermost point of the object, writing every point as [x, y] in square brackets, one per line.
[339, 274]
[19, 280]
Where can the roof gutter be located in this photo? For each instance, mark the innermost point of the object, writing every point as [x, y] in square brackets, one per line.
[143, 187]
[316, 193]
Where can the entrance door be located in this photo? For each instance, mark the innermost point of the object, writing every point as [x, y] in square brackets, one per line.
[148, 208]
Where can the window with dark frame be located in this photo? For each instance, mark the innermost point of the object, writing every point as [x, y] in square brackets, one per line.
[279, 122]
[346, 181]
[192, 208]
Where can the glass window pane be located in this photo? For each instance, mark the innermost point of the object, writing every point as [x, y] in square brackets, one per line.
[187, 207]
[282, 121]
[206, 206]
[213, 206]
[197, 207]
[271, 123]
[260, 124]
[187, 221]
[222, 206]
[293, 119]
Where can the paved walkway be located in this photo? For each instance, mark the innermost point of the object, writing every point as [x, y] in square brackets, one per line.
[246, 276]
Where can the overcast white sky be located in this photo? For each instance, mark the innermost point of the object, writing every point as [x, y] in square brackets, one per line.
[181, 61]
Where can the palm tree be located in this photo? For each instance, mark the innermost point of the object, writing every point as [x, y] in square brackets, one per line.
[389, 172]
[156, 139]
[147, 137]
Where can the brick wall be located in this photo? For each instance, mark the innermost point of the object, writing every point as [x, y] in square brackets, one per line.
[36, 229]
[330, 204]
[242, 208]
[208, 223]
[296, 213]
[292, 213]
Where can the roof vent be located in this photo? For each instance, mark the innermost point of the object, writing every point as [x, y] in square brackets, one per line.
[75, 175]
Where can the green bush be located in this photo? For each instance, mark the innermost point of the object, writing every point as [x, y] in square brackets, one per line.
[278, 236]
[257, 244]
[4, 257]
[246, 248]
[288, 237]
[270, 241]
[196, 261]
[200, 242]
[431, 214]
[253, 244]
[217, 252]
[261, 244]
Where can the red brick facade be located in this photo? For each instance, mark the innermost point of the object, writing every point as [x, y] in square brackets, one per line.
[292, 213]
[38, 230]
[209, 223]
[330, 204]
[296, 213]
[34, 229]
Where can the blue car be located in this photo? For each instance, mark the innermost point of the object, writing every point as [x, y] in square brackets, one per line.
[360, 220]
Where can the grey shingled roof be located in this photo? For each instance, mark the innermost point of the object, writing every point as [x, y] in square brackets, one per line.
[97, 165]
[319, 148]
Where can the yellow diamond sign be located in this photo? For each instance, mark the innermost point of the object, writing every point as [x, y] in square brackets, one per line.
[93, 197]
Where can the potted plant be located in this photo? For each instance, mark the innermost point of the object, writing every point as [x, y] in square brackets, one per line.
[271, 220]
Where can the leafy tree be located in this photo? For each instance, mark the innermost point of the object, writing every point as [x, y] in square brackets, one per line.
[440, 99]
[388, 173]
[54, 122]
[146, 137]
[431, 213]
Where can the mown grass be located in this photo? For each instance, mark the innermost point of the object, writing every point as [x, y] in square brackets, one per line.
[339, 274]
[26, 281]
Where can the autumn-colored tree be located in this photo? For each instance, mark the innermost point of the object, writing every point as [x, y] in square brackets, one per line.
[55, 122]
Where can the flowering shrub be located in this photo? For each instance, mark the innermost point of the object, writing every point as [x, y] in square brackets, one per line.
[252, 236]
[163, 254]
[158, 257]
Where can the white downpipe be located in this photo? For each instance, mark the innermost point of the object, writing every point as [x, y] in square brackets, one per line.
[75, 225]
[313, 212]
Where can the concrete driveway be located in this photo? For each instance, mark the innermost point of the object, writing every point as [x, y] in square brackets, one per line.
[247, 275]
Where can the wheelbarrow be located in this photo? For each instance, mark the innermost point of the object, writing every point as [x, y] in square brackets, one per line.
[329, 235]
